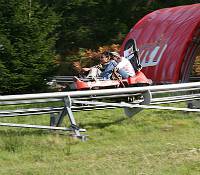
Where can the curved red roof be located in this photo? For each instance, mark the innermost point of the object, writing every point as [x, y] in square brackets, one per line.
[166, 40]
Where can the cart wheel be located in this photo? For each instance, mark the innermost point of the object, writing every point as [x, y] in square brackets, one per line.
[130, 112]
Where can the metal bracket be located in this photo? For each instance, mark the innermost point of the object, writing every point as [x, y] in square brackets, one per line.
[147, 96]
[67, 110]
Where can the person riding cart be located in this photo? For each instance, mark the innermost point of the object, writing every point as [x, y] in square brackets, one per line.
[104, 69]
[124, 67]
[111, 62]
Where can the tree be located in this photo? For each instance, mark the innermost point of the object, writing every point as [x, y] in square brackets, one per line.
[26, 45]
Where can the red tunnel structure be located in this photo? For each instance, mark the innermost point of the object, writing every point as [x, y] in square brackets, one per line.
[169, 44]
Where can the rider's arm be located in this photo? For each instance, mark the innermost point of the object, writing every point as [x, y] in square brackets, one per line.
[86, 69]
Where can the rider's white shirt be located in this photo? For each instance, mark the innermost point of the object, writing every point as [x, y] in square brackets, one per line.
[126, 66]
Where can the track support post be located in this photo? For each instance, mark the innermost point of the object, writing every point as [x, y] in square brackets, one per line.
[68, 111]
[52, 119]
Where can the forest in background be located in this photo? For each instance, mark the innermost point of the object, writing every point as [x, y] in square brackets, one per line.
[38, 37]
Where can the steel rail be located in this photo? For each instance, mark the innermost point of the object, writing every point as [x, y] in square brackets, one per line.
[74, 94]
[38, 127]
[108, 96]
[31, 111]
[67, 77]
[71, 103]
[174, 98]
[49, 110]
[64, 81]
[174, 101]
[30, 101]
[156, 99]
[128, 105]
[176, 90]
[46, 109]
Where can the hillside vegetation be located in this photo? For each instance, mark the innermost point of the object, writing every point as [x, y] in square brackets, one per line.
[153, 142]
[35, 34]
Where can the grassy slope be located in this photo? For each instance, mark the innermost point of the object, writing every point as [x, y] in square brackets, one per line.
[153, 142]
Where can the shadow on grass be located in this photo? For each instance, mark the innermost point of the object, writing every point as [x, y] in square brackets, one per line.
[99, 125]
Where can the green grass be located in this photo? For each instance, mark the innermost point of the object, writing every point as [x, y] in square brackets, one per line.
[152, 142]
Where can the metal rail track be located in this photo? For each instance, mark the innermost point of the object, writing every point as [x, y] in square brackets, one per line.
[60, 104]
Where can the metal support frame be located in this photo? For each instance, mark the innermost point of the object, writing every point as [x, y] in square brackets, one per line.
[57, 115]
[84, 100]
[68, 110]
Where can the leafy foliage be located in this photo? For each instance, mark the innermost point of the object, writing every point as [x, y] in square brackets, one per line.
[26, 45]
[92, 23]
[83, 58]
[32, 31]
